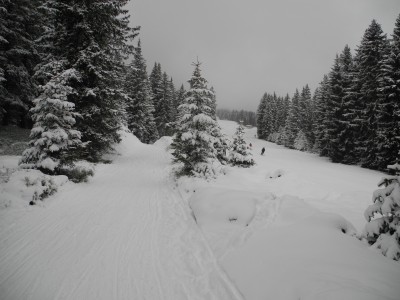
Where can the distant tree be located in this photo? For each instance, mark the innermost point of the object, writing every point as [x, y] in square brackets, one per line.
[139, 106]
[261, 111]
[248, 117]
[156, 81]
[173, 109]
[344, 136]
[334, 116]
[321, 96]
[306, 116]
[292, 122]
[300, 142]
[193, 143]
[179, 100]
[164, 107]
[240, 155]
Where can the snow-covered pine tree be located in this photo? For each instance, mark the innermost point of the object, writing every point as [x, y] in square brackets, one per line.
[156, 81]
[370, 54]
[292, 122]
[334, 112]
[54, 138]
[306, 116]
[240, 155]
[383, 216]
[344, 136]
[193, 143]
[173, 112]
[139, 106]
[388, 109]
[92, 36]
[222, 143]
[261, 111]
[301, 143]
[354, 110]
[269, 120]
[19, 27]
[213, 112]
[164, 107]
[179, 99]
[320, 112]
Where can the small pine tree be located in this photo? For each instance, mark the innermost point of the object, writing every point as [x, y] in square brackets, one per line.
[300, 142]
[53, 135]
[193, 143]
[240, 155]
[383, 216]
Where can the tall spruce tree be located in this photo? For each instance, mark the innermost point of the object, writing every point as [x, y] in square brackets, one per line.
[19, 27]
[388, 108]
[292, 122]
[370, 53]
[156, 81]
[90, 45]
[334, 116]
[345, 138]
[261, 111]
[305, 116]
[193, 143]
[140, 107]
[164, 107]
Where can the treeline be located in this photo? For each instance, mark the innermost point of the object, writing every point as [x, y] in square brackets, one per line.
[353, 116]
[63, 73]
[248, 117]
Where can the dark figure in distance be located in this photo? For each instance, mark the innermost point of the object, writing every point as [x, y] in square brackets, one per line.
[262, 151]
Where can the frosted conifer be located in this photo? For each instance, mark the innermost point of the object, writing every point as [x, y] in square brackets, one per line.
[193, 143]
[19, 27]
[140, 107]
[388, 108]
[240, 155]
[383, 216]
[53, 137]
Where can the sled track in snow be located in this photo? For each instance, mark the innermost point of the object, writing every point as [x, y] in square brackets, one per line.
[125, 235]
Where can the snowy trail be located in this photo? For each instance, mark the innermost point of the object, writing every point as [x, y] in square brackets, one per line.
[126, 235]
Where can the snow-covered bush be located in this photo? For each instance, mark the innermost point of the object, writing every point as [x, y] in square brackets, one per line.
[383, 216]
[240, 154]
[79, 171]
[28, 187]
[274, 137]
[45, 187]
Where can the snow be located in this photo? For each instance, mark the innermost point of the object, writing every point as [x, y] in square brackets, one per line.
[126, 234]
[282, 229]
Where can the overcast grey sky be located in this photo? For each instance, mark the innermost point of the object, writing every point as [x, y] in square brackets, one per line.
[248, 47]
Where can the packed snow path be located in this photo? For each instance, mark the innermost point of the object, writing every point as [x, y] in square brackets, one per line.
[125, 235]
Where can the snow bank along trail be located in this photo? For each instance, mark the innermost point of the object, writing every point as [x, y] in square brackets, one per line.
[125, 235]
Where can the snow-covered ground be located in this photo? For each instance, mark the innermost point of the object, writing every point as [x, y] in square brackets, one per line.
[283, 229]
[127, 234]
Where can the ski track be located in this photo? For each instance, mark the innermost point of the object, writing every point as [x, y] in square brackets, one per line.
[128, 234]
